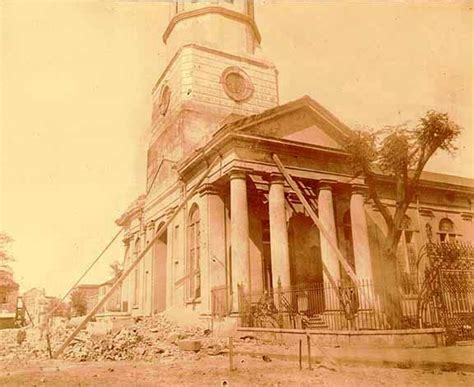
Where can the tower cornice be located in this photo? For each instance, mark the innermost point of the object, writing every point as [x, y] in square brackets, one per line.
[241, 58]
[230, 14]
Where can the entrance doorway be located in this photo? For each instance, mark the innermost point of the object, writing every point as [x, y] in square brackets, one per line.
[305, 263]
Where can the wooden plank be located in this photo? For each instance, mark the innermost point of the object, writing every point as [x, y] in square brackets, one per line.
[182, 280]
[347, 267]
[134, 264]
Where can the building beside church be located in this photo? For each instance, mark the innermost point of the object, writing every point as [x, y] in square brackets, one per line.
[216, 111]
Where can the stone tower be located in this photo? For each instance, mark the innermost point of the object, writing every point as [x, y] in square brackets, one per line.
[213, 75]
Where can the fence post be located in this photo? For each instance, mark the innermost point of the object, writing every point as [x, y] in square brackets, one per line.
[308, 341]
[300, 360]
[231, 353]
[280, 302]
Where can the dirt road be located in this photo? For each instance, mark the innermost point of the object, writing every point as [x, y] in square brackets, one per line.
[213, 371]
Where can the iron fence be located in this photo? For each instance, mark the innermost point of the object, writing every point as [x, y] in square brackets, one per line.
[344, 306]
[448, 289]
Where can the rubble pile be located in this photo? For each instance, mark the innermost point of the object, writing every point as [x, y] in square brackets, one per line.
[149, 338]
[22, 344]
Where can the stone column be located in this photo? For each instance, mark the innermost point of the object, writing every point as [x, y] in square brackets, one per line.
[239, 235]
[125, 289]
[213, 249]
[360, 234]
[328, 256]
[278, 232]
[326, 215]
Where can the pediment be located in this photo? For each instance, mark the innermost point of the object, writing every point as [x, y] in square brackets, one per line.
[303, 121]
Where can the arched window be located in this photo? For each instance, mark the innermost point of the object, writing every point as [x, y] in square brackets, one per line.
[193, 249]
[136, 279]
[446, 230]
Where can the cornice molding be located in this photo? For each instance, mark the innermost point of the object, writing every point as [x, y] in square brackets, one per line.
[233, 15]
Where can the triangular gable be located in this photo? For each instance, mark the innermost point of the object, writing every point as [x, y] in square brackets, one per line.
[303, 120]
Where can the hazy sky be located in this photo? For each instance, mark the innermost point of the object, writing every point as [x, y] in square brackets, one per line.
[75, 105]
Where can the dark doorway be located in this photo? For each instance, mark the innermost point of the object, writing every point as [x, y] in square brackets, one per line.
[305, 265]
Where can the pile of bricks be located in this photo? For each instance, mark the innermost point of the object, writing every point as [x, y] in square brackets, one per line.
[148, 339]
[20, 344]
[151, 338]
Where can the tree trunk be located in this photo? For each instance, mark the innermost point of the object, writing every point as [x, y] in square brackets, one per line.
[392, 298]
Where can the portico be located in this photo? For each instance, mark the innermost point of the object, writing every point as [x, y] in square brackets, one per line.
[275, 207]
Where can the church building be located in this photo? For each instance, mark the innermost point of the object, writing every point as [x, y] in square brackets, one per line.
[245, 232]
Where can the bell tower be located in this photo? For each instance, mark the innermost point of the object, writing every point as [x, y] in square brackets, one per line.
[212, 72]
[222, 24]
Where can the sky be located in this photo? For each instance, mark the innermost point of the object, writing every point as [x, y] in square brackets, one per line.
[75, 103]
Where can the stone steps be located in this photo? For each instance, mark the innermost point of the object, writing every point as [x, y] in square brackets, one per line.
[316, 322]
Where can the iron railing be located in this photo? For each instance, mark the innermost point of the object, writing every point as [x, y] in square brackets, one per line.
[346, 306]
[448, 289]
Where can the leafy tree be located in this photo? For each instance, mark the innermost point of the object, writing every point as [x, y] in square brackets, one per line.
[400, 153]
[78, 302]
[5, 256]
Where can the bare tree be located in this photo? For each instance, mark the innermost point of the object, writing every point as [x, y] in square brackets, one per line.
[116, 268]
[401, 154]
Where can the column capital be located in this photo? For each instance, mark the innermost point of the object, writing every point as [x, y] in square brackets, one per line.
[359, 189]
[209, 189]
[327, 184]
[275, 178]
[238, 173]
[127, 240]
[169, 211]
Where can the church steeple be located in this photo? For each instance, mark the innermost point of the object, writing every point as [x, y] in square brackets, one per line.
[221, 24]
[212, 74]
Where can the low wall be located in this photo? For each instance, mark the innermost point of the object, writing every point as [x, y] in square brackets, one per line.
[111, 321]
[403, 338]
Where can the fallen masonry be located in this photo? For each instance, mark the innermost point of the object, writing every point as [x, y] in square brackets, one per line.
[151, 338]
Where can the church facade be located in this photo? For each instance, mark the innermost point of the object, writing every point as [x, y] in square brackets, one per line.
[216, 112]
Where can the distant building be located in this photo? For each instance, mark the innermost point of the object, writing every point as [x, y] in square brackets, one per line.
[94, 292]
[90, 293]
[113, 304]
[36, 303]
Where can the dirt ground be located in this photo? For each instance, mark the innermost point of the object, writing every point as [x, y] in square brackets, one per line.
[214, 371]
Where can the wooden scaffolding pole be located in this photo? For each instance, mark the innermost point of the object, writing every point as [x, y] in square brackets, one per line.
[315, 219]
[126, 272]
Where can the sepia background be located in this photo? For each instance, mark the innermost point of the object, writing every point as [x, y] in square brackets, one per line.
[76, 78]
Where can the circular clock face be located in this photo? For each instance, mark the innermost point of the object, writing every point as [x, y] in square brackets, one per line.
[237, 84]
[164, 101]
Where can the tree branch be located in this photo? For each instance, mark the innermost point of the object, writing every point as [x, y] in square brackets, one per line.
[375, 197]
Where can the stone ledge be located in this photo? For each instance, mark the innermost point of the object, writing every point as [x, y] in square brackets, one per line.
[401, 338]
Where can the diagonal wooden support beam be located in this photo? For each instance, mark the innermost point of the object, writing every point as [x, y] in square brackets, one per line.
[134, 264]
[315, 218]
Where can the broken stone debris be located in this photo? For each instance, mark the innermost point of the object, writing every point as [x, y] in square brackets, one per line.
[189, 345]
[149, 338]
